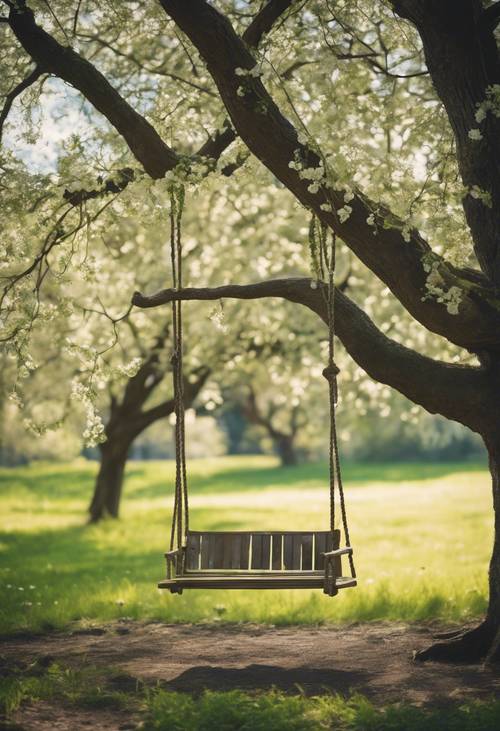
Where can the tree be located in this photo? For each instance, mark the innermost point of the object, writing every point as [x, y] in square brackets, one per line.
[282, 438]
[424, 162]
[128, 419]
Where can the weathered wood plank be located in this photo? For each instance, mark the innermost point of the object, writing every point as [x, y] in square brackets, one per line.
[245, 550]
[211, 550]
[288, 551]
[253, 581]
[319, 548]
[277, 544]
[256, 551]
[236, 551]
[204, 551]
[218, 550]
[193, 552]
[266, 552]
[296, 542]
[307, 546]
[227, 553]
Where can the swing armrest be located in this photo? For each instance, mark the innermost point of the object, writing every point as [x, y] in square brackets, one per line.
[175, 552]
[338, 552]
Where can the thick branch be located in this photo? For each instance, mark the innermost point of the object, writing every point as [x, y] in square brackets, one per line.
[191, 390]
[143, 140]
[254, 415]
[264, 21]
[215, 145]
[271, 137]
[451, 390]
[16, 91]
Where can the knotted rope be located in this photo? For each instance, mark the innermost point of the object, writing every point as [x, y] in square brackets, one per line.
[180, 517]
[328, 260]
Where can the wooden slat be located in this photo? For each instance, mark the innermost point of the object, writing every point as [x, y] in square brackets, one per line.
[319, 548]
[210, 539]
[193, 552]
[236, 551]
[288, 551]
[277, 543]
[307, 545]
[297, 542]
[218, 556]
[256, 551]
[204, 551]
[266, 552]
[245, 550]
[227, 545]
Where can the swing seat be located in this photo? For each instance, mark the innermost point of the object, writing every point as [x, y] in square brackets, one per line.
[258, 560]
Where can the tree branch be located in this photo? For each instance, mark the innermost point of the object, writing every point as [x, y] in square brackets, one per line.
[399, 261]
[191, 391]
[141, 137]
[451, 390]
[491, 16]
[15, 92]
[218, 143]
[264, 21]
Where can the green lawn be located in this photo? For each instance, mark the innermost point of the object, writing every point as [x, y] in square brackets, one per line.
[422, 535]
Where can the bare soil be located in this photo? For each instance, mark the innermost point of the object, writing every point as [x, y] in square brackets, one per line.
[373, 659]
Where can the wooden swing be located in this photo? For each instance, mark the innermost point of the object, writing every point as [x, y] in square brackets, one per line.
[253, 559]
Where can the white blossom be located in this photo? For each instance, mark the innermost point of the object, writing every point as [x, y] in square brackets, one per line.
[475, 134]
[482, 195]
[344, 213]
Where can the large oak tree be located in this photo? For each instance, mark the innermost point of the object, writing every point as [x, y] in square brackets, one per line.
[449, 47]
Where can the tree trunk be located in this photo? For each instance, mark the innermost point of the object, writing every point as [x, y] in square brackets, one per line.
[481, 642]
[286, 450]
[109, 482]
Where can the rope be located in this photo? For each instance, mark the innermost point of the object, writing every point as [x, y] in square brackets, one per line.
[180, 515]
[328, 259]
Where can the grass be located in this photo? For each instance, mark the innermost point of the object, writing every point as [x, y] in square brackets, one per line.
[274, 711]
[160, 710]
[87, 687]
[422, 535]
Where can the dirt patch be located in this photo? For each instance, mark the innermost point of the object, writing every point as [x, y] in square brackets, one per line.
[374, 659]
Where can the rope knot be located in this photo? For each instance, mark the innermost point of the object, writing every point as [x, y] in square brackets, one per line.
[331, 372]
[174, 358]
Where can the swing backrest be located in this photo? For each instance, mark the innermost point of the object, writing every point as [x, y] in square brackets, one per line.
[258, 550]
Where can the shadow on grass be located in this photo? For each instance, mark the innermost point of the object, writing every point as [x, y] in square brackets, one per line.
[254, 677]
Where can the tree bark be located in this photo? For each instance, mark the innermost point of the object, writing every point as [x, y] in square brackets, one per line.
[109, 481]
[481, 642]
[286, 450]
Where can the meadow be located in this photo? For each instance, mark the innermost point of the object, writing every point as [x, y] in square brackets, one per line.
[422, 535]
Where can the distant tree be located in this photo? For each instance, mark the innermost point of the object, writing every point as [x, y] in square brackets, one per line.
[129, 417]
